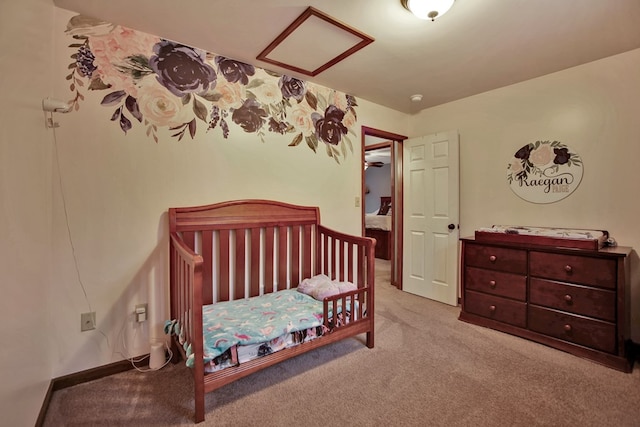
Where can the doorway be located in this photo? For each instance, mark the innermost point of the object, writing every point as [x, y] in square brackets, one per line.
[376, 141]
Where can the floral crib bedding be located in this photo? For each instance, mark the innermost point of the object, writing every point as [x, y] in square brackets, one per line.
[242, 330]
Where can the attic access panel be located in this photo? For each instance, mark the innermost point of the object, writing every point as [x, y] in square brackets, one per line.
[312, 43]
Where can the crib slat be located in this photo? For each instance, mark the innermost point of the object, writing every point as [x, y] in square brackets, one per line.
[240, 267]
[189, 238]
[306, 252]
[334, 260]
[295, 256]
[223, 257]
[325, 268]
[172, 279]
[350, 263]
[268, 259]
[282, 258]
[207, 268]
[361, 275]
[254, 262]
[341, 255]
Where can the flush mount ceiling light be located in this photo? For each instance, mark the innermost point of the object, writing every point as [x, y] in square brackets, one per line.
[428, 9]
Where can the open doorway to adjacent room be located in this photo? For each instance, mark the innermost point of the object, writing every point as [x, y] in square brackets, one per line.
[382, 195]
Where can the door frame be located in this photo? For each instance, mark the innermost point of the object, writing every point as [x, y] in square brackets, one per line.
[396, 202]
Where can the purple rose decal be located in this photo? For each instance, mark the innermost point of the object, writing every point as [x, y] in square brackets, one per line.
[278, 127]
[330, 128]
[250, 116]
[562, 156]
[292, 88]
[524, 152]
[182, 69]
[235, 71]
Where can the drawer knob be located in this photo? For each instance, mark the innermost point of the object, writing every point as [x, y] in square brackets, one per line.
[568, 268]
[492, 308]
[567, 328]
[492, 283]
[568, 298]
[493, 258]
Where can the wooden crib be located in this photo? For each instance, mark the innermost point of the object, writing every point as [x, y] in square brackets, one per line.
[245, 248]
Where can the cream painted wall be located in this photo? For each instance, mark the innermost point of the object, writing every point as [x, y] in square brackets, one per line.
[118, 187]
[595, 110]
[25, 208]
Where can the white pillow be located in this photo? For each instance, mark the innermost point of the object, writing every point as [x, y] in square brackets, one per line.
[321, 287]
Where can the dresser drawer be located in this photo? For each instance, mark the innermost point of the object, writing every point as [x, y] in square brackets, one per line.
[497, 308]
[572, 268]
[496, 282]
[577, 299]
[495, 258]
[592, 333]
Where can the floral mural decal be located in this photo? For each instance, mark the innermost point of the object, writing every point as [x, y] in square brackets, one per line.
[544, 171]
[161, 84]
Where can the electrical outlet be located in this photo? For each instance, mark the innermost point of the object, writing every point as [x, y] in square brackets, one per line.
[357, 202]
[141, 312]
[87, 321]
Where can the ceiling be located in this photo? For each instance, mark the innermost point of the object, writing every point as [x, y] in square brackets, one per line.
[378, 155]
[479, 45]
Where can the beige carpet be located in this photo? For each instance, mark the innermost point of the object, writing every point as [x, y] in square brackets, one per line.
[427, 369]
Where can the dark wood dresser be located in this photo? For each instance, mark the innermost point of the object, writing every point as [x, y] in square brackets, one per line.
[383, 242]
[575, 300]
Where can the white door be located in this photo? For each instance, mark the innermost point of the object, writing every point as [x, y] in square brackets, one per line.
[431, 215]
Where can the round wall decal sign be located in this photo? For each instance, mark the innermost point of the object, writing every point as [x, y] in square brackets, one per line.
[544, 172]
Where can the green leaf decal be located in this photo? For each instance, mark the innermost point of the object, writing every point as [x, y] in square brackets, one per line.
[200, 110]
[296, 141]
[311, 143]
[273, 73]
[97, 84]
[212, 96]
[311, 100]
[255, 83]
[192, 128]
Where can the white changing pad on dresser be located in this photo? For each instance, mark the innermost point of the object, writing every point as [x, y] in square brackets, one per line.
[566, 237]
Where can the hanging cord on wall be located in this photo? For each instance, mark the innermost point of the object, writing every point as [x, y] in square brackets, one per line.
[66, 219]
[81, 283]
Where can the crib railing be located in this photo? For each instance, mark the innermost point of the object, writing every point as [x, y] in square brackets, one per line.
[203, 271]
[185, 277]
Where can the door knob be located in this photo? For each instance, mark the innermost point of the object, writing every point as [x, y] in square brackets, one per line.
[451, 227]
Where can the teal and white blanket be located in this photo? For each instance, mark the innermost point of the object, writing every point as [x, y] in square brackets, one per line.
[253, 320]
[264, 319]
